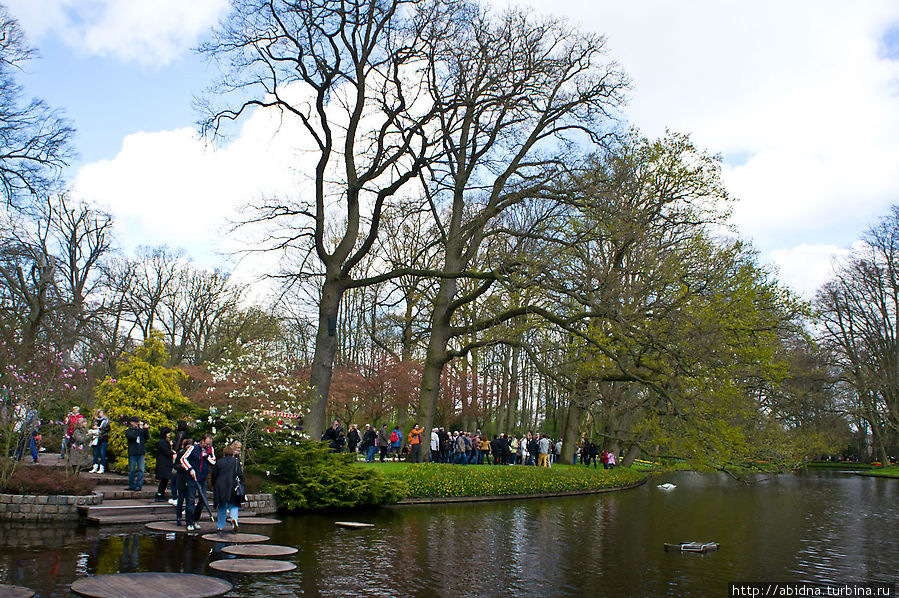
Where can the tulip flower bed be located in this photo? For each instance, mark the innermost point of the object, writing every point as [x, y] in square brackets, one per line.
[442, 481]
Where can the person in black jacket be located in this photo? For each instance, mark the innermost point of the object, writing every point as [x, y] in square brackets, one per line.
[137, 436]
[369, 443]
[353, 438]
[331, 436]
[180, 435]
[225, 474]
[165, 462]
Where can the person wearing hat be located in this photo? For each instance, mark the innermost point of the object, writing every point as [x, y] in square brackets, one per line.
[137, 436]
[69, 422]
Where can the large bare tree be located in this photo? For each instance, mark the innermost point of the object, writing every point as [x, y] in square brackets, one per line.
[518, 94]
[348, 72]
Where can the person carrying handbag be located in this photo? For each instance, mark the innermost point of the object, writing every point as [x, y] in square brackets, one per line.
[228, 490]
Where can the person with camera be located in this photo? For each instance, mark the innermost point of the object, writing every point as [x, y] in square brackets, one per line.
[137, 435]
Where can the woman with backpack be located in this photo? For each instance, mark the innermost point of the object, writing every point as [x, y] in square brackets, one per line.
[396, 442]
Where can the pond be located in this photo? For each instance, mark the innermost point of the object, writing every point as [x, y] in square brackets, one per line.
[823, 527]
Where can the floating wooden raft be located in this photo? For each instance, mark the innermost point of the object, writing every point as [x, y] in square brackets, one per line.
[353, 524]
[229, 538]
[692, 546]
[252, 566]
[151, 585]
[170, 527]
[15, 591]
[259, 521]
[266, 550]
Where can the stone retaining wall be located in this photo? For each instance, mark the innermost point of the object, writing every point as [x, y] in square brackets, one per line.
[44, 508]
[261, 504]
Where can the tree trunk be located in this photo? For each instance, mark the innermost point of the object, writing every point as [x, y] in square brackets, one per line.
[631, 456]
[436, 356]
[570, 423]
[323, 359]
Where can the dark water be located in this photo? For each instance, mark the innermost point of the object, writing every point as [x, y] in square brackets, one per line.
[823, 527]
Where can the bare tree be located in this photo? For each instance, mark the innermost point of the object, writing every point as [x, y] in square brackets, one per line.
[34, 139]
[859, 308]
[347, 72]
[516, 92]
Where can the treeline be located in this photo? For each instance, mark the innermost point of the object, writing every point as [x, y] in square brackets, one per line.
[479, 245]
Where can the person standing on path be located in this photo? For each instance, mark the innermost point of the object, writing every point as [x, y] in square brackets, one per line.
[68, 427]
[177, 443]
[396, 442]
[353, 438]
[190, 462]
[101, 424]
[415, 444]
[370, 443]
[225, 474]
[435, 446]
[207, 462]
[383, 441]
[137, 436]
[543, 451]
[165, 462]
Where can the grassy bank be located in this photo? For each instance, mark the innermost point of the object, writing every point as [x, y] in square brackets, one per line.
[839, 465]
[442, 481]
[882, 472]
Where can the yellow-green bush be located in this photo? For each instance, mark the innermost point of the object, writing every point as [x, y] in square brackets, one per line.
[146, 389]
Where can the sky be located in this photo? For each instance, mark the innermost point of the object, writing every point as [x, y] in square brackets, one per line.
[800, 98]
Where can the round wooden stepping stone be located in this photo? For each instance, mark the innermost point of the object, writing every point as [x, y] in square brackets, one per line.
[258, 521]
[170, 527]
[7, 591]
[252, 566]
[151, 585]
[353, 524]
[230, 538]
[259, 550]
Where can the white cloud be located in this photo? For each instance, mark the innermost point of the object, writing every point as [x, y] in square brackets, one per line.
[806, 267]
[799, 93]
[173, 188]
[149, 33]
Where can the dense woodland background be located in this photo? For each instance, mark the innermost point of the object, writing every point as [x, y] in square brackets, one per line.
[482, 244]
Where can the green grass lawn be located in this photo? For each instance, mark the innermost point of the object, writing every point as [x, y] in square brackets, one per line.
[441, 480]
[882, 472]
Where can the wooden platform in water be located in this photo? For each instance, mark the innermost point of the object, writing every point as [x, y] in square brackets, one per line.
[7, 591]
[151, 585]
[259, 550]
[258, 521]
[353, 524]
[238, 538]
[252, 566]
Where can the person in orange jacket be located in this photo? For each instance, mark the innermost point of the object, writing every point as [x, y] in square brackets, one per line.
[415, 444]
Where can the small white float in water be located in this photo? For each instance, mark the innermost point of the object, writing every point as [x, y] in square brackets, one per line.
[667, 486]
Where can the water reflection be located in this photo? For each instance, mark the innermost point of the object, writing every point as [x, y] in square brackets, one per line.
[822, 527]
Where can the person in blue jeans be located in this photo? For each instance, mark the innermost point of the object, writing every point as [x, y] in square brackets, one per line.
[225, 474]
[137, 435]
[370, 443]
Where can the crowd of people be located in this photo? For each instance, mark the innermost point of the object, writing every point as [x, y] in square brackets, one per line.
[189, 466]
[459, 447]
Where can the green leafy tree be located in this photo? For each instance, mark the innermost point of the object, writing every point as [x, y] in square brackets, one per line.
[145, 389]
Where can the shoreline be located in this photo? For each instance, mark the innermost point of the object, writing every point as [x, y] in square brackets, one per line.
[433, 500]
